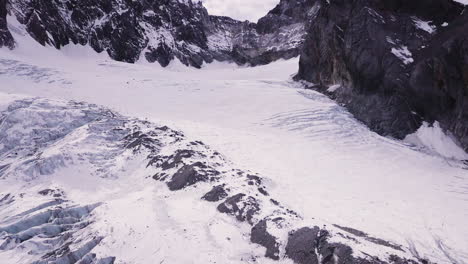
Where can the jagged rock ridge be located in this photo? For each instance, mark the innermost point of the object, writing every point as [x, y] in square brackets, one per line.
[159, 30]
[6, 39]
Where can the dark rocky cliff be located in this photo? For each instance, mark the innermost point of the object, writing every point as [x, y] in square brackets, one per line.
[6, 39]
[159, 30]
[397, 63]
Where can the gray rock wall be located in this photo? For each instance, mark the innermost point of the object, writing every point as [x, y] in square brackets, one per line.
[6, 39]
[397, 65]
[161, 30]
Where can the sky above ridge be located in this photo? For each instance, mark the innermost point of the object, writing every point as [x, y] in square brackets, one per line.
[250, 10]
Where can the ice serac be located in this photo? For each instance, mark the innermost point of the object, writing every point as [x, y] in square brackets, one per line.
[6, 39]
[162, 30]
[392, 63]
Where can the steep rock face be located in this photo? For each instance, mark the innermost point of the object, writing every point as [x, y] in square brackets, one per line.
[278, 35]
[242, 42]
[287, 12]
[391, 63]
[5, 36]
[440, 79]
[161, 30]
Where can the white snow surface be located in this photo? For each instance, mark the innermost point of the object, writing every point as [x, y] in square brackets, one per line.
[333, 88]
[404, 54]
[465, 2]
[434, 139]
[319, 161]
[424, 25]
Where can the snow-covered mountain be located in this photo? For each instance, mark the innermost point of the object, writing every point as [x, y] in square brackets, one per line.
[159, 30]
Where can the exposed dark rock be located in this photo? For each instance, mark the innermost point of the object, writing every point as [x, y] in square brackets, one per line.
[51, 192]
[260, 235]
[302, 245]
[175, 160]
[162, 54]
[374, 240]
[162, 30]
[273, 201]
[108, 260]
[216, 194]
[257, 181]
[263, 191]
[286, 13]
[393, 74]
[254, 180]
[6, 39]
[394, 259]
[353, 231]
[241, 206]
[310, 246]
[139, 140]
[190, 175]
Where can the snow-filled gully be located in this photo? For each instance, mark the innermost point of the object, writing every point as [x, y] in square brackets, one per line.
[224, 159]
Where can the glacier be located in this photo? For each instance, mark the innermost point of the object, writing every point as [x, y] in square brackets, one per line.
[105, 162]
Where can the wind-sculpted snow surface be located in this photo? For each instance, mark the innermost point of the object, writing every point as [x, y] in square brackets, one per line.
[82, 184]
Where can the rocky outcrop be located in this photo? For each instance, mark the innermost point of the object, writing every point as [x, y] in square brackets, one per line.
[286, 13]
[312, 246]
[125, 30]
[243, 43]
[162, 30]
[278, 35]
[6, 39]
[392, 64]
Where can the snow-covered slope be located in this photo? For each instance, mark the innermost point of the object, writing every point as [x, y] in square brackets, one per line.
[322, 167]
